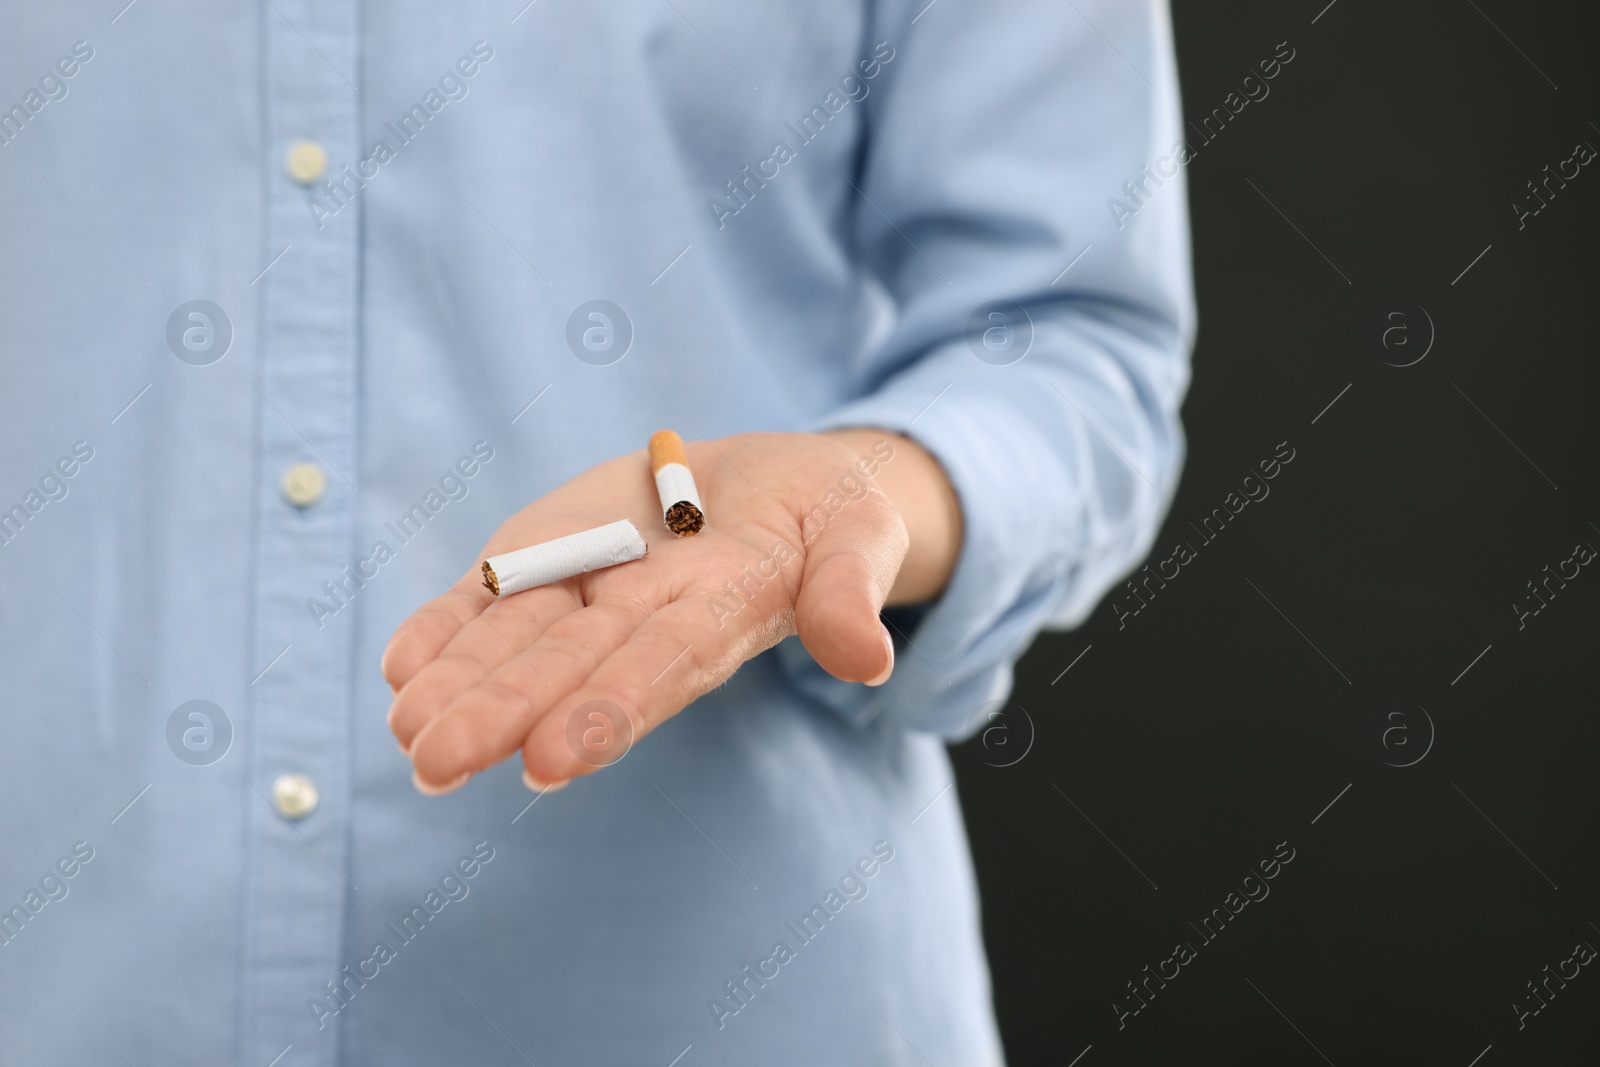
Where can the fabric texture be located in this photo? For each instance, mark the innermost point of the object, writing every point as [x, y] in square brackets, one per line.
[787, 216]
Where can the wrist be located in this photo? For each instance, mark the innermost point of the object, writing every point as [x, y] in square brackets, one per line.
[920, 490]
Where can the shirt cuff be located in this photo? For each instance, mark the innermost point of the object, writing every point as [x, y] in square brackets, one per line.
[1018, 514]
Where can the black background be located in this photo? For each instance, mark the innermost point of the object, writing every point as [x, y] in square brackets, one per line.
[1214, 725]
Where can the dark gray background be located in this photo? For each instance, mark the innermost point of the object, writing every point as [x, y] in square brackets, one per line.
[1182, 747]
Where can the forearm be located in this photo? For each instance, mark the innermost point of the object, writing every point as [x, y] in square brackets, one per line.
[920, 490]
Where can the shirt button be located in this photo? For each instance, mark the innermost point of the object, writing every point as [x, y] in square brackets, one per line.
[303, 484]
[307, 162]
[294, 795]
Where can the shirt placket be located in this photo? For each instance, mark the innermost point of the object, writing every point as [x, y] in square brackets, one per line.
[307, 473]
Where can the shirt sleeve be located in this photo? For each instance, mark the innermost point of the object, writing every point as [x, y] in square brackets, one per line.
[1023, 205]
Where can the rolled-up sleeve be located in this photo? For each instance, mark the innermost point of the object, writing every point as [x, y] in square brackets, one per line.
[1022, 160]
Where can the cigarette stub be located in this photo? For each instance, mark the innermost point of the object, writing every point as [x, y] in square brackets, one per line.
[680, 500]
[579, 553]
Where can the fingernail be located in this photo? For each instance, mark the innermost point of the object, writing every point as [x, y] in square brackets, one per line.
[888, 668]
[539, 787]
[429, 790]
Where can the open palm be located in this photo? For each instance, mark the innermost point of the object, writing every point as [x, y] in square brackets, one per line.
[797, 539]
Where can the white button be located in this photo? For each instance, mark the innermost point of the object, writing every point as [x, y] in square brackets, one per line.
[303, 484]
[294, 795]
[306, 162]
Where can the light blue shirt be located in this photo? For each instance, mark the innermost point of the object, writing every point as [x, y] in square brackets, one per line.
[798, 216]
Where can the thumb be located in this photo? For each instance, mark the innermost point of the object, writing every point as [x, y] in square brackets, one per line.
[851, 565]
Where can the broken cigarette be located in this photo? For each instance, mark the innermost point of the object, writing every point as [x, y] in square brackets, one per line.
[579, 553]
[680, 500]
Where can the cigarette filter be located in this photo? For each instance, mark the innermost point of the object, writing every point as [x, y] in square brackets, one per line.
[603, 546]
[680, 500]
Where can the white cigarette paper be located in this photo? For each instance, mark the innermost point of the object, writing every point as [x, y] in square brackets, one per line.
[579, 553]
[676, 485]
[680, 500]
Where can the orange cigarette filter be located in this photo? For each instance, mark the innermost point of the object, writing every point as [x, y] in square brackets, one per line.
[680, 498]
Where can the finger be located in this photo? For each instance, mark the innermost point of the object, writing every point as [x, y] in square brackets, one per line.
[678, 654]
[420, 639]
[486, 722]
[850, 568]
[500, 634]
[429, 693]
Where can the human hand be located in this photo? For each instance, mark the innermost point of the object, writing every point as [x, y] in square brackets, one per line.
[805, 533]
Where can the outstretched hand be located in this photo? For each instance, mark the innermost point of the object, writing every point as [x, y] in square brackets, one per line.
[805, 533]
